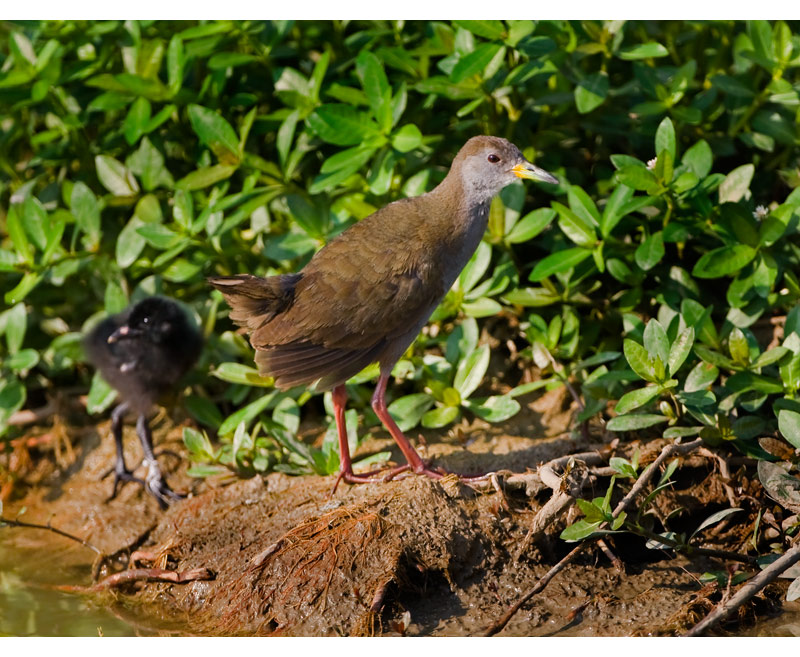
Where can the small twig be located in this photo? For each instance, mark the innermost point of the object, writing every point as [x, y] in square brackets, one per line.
[32, 416]
[146, 574]
[650, 470]
[756, 584]
[613, 558]
[49, 527]
[262, 556]
[539, 586]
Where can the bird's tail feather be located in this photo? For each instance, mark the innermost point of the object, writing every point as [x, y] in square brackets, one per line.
[254, 301]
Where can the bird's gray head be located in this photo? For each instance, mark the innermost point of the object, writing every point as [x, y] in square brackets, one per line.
[487, 164]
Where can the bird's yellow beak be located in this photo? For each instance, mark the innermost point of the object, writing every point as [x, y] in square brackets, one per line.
[528, 170]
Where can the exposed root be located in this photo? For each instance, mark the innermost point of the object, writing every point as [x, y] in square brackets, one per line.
[142, 574]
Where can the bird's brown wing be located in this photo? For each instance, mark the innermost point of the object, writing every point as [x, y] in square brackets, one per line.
[359, 296]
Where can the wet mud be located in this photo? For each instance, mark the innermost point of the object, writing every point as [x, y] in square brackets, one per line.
[281, 555]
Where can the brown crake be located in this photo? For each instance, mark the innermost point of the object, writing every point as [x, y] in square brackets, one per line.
[365, 296]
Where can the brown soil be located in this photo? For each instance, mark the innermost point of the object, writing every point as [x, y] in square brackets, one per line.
[413, 556]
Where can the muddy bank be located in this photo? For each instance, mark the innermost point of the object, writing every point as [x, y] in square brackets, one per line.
[418, 557]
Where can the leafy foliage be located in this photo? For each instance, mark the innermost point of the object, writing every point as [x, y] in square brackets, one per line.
[139, 157]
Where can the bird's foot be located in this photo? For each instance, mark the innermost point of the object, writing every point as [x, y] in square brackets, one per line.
[155, 485]
[121, 476]
[372, 477]
[388, 474]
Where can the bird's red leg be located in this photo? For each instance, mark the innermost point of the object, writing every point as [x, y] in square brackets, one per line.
[339, 395]
[415, 463]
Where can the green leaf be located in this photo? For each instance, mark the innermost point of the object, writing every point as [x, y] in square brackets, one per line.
[476, 267]
[115, 176]
[440, 417]
[136, 120]
[614, 210]
[159, 236]
[498, 408]
[204, 411]
[36, 222]
[246, 414]
[12, 398]
[679, 350]
[638, 177]
[22, 361]
[622, 467]
[713, 519]
[655, 341]
[197, 443]
[665, 138]
[530, 225]
[482, 307]
[86, 211]
[636, 398]
[18, 236]
[643, 51]
[101, 395]
[769, 357]
[634, 421]
[639, 360]
[736, 184]
[583, 206]
[699, 158]
[239, 373]
[408, 411]
[579, 530]
[216, 133]
[341, 124]
[723, 261]
[650, 252]
[148, 163]
[576, 228]
[376, 87]
[591, 91]
[491, 29]
[738, 347]
[789, 426]
[205, 177]
[223, 60]
[175, 63]
[471, 370]
[474, 62]
[15, 320]
[531, 297]
[407, 138]
[558, 262]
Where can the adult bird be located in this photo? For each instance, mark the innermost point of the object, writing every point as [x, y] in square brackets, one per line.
[143, 352]
[366, 295]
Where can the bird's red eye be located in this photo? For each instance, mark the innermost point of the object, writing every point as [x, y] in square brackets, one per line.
[494, 159]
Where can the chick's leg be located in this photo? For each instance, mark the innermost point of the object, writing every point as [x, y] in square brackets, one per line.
[154, 481]
[121, 472]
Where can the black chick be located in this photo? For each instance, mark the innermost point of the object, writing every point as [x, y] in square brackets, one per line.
[142, 352]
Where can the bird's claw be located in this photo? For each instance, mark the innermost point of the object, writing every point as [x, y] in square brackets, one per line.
[121, 476]
[155, 485]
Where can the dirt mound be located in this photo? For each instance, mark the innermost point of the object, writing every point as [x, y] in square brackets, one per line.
[282, 555]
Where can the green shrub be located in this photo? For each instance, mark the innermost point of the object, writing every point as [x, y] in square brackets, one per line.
[140, 157]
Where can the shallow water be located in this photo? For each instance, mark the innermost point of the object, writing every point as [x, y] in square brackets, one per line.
[30, 606]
